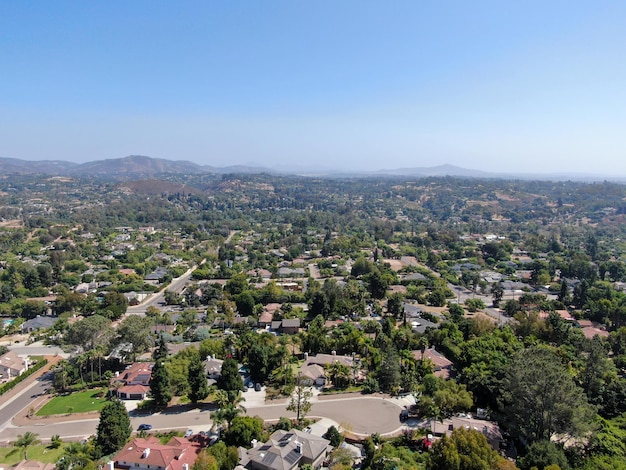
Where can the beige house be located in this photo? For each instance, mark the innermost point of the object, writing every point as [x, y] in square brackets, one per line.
[12, 365]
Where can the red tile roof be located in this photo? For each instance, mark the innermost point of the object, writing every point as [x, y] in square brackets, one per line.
[139, 453]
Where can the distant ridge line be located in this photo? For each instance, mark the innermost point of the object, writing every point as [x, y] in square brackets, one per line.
[139, 166]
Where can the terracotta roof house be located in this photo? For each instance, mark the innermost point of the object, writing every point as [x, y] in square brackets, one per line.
[286, 450]
[134, 382]
[442, 365]
[12, 365]
[265, 319]
[591, 329]
[149, 454]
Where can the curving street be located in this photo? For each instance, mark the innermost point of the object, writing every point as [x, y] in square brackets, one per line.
[358, 415]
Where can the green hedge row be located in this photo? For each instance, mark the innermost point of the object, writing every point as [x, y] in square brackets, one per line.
[9, 385]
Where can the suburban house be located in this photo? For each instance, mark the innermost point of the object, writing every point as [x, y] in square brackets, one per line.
[12, 365]
[134, 382]
[267, 316]
[286, 450]
[442, 366]
[591, 329]
[33, 465]
[489, 429]
[38, 323]
[214, 367]
[313, 374]
[156, 277]
[288, 326]
[149, 454]
[312, 370]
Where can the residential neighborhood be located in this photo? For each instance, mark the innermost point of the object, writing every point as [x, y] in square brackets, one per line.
[311, 336]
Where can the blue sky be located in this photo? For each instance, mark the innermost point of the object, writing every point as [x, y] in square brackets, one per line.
[530, 86]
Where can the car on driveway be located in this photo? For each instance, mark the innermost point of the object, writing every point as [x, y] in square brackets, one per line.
[188, 433]
[144, 427]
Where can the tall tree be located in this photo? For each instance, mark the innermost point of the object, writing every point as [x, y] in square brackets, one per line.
[389, 372]
[198, 385]
[465, 449]
[230, 381]
[300, 401]
[113, 428]
[540, 398]
[135, 330]
[90, 332]
[115, 303]
[160, 388]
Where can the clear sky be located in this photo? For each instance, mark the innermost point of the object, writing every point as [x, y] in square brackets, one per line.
[529, 86]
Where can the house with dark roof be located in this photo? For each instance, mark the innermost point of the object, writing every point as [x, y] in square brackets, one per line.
[288, 326]
[286, 450]
[38, 323]
[149, 454]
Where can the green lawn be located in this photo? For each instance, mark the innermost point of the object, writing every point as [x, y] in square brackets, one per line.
[13, 455]
[77, 402]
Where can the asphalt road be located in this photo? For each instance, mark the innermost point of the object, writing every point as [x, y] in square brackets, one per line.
[359, 415]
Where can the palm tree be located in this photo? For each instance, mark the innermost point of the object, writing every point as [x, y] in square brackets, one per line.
[26, 440]
[228, 410]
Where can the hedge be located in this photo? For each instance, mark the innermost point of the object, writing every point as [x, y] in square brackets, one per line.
[20, 378]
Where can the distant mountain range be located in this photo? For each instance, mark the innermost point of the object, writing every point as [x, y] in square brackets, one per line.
[126, 168]
[140, 167]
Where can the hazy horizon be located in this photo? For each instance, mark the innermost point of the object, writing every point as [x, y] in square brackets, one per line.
[361, 86]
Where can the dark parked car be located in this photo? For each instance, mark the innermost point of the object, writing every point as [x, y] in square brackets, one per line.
[144, 427]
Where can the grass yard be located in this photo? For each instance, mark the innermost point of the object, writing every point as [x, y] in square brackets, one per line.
[77, 402]
[13, 455]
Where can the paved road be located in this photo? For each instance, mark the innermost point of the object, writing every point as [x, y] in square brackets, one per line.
[359, 415]
[177, 285]
[23, 399]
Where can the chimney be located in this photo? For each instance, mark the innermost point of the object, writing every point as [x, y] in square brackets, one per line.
[146, 452]
[253, 443]
[334, 353]
[110, 465]
[185, 466]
